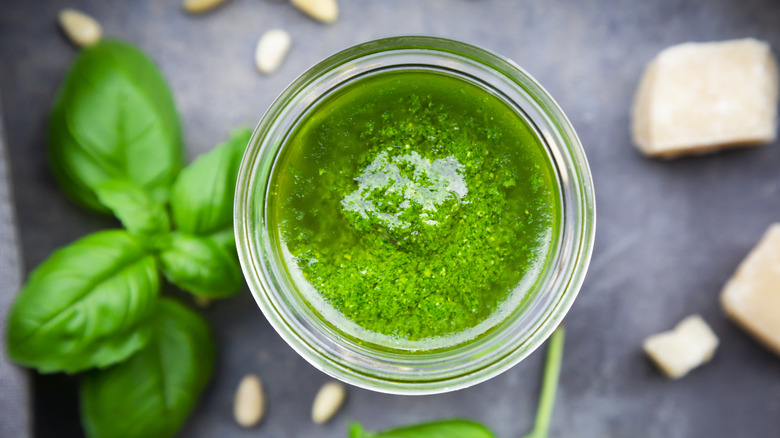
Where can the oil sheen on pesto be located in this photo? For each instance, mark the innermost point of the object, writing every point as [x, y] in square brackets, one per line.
[415, 205]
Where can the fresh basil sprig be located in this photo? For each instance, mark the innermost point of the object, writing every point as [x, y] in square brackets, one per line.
[152, 393]
[457, 428]
[114, 118]
[115, 146]
[86, 306]
[41, 336]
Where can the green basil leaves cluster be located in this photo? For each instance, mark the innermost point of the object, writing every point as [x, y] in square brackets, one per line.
[115, 146]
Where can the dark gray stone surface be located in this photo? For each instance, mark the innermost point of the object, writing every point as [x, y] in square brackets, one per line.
[669, 233]
[15, 408]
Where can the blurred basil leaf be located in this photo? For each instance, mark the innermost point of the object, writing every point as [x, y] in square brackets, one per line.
[438, 429]
[202, 197]
[201, 265]
[85, 306]
[151, 394]
[114, 118]
[141, 215]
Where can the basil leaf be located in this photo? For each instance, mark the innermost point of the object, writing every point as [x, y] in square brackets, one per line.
[227, 240]
[151, 394]
[357, 431]
[141, 215]
[86, 306]
[201, 265]
[114, 118]
[455, 428]
[202, 197]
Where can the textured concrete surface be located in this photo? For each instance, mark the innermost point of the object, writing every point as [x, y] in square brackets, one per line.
[15, 408]
[669, 233]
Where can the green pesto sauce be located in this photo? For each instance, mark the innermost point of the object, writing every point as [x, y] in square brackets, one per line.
[415, 204]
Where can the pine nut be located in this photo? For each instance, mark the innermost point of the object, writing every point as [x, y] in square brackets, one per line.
[328, 401]
[325, 11]
[271, 50]
[81, 29]
[249, 402]
[200, 6]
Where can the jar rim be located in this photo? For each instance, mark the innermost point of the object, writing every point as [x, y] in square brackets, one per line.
[426, 372]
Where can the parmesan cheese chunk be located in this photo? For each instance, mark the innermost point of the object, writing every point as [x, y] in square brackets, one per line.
[684, 348]
[752, 296]
[699, 97]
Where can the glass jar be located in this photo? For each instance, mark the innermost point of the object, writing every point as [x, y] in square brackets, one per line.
[415, 372]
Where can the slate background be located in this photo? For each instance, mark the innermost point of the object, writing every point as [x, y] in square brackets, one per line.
[669, 233]
[15, 408]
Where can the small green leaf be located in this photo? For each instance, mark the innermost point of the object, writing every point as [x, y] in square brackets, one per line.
[141, 215]
[454, 428]
[202, 197]
[86, 306]
[114, 118]
[151, 394]
[357, 431]
[227, 240]
[201, 266]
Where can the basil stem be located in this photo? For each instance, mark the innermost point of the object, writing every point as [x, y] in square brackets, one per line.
[552, 371]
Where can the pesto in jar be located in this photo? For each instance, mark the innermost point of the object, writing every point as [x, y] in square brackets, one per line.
[415, 205]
